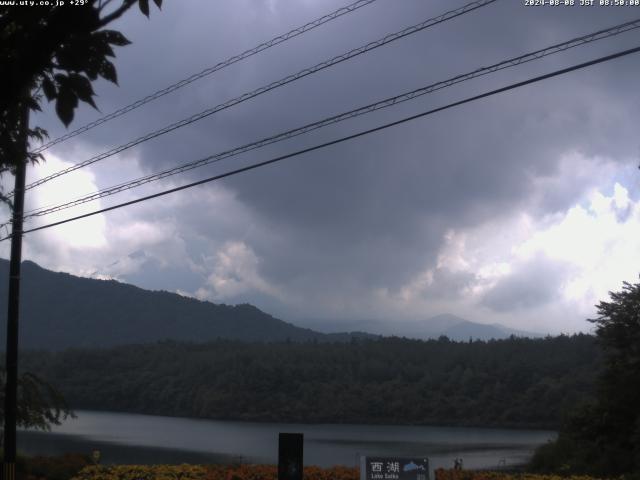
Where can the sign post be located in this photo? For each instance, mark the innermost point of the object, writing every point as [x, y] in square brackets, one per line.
[394, 468]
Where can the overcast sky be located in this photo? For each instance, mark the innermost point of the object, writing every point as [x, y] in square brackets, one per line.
[521, 208]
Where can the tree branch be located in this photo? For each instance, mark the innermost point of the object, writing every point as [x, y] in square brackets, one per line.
[103, 4]
[126, 5]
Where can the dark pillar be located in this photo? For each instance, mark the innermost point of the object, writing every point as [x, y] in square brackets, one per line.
[11, 386]
[290, 451]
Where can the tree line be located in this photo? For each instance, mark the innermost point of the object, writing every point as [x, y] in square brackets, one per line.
[516, 382]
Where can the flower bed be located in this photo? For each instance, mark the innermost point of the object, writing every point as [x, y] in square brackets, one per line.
[442, 474]
[209, 472]
[270, 472]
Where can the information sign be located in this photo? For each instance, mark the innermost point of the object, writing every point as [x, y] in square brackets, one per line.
[394, 468]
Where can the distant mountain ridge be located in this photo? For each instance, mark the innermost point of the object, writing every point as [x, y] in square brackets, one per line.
[59, 311]
[465, 329]
[459, 329]
[451, 326]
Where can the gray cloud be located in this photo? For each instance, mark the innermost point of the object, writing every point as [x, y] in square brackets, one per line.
[372, 213]
[533, 284]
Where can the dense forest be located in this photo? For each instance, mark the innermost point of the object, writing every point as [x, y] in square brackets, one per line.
[515, 383]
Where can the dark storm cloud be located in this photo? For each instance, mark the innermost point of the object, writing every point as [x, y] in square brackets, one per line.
[372, 213]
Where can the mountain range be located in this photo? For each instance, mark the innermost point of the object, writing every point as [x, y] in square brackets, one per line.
[59, 311]
[451, 326]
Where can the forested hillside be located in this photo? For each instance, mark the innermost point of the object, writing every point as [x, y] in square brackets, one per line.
[60, 311]
[514, 382]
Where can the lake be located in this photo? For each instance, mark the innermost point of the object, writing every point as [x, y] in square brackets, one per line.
[148, 439]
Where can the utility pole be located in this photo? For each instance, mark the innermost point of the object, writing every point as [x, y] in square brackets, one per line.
[11, 386]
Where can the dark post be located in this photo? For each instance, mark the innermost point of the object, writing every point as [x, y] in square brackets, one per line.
[11, 387]
[290, 451]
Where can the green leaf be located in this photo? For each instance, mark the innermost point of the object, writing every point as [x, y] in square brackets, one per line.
[74, 56]
[115, 38]
[82, 88]
[66, 103]
[48, 88]
[92, 69]
[144, 7]
[99, 47]
[37, 133]
[108, 71]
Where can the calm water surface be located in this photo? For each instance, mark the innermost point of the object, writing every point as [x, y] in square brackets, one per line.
[132, 438]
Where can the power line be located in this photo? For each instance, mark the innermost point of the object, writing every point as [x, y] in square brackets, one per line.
[279, 83]
[342, 139]
[388, 102]
[208, 71]
[303, 73]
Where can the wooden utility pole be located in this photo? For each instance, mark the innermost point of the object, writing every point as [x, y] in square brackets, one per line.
[11, 386]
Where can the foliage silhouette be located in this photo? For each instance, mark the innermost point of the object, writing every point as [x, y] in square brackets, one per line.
[55, 52]
[603, 437]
